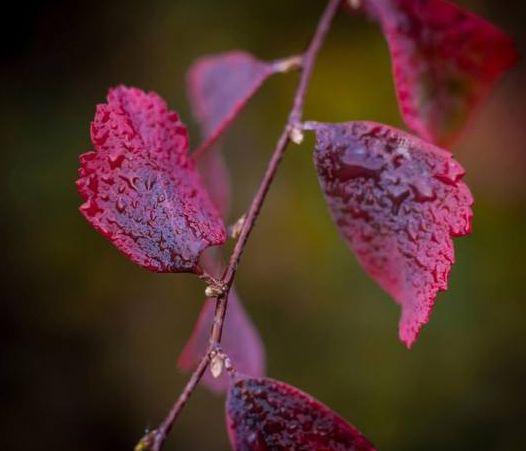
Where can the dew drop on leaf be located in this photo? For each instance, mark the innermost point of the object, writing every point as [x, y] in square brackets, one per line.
[445, 62]
[397, 202]
[266, 414]
[140, 187]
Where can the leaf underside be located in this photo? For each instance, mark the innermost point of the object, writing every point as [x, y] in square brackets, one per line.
[216, 178]
[141, 188]
[265, 414]
[397, 202]
[221, 85]
[445, 62]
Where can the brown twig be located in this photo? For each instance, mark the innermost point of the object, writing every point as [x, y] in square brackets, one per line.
[291, 132]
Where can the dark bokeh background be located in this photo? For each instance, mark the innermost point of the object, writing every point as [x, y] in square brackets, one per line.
[89, 342]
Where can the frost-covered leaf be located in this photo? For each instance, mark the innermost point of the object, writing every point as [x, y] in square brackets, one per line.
[397, 201]
[141, 188]
[240, 341]
[445, 62]
[220, 86]
[265, 414]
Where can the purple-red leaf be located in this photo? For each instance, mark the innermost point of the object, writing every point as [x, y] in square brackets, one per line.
[141, 188]
[241, 342]
[265, 414]
[397, 201]
[221, 85]
[216, 177]
[445, 62]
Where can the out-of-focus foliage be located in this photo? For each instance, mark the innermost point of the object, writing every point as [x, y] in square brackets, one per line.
[90, 342]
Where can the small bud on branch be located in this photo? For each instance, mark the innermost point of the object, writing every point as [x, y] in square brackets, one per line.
[235, 230]
[296, 134]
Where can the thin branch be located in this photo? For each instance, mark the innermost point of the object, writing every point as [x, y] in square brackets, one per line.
[295, 117]
[155, 439]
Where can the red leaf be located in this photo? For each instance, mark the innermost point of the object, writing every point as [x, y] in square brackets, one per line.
[140, 187]
[445, 62]
[221, 85]
[241, 342]
[397, 201]
[265, 414]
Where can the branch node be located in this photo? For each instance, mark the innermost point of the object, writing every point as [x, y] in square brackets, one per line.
[220, 361]
[217, 364]
[288, 64]
[296, 133]
[215, 289]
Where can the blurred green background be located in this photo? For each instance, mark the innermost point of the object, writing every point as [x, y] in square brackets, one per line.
[89, 341]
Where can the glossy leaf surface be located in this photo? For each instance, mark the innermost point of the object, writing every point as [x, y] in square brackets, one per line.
[141, 188]
[241, 342]
[221, 85]
[445, 62]
[397, 201]
[265, 414]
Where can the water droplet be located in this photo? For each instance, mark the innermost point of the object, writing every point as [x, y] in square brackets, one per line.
[108, 179]
[100, 138]
[149, 183]
[412, 232]
[397, 194]
[120, 205]
[130, 181]
[451, 174]
[116, 160]
[423, 191]
[90, 208]
[357, 163]
[105, 116]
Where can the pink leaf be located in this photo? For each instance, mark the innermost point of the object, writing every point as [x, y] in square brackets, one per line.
[141, 188]
[240, 341]
[265, 414]
[445, 62]
[216, 177]
[397, 201]
[221, 85]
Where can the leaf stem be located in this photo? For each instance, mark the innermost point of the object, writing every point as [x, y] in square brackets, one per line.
[287, 64]
[158, 436]
[282, 66]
